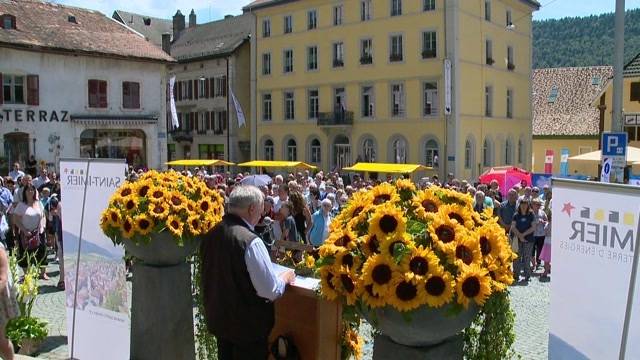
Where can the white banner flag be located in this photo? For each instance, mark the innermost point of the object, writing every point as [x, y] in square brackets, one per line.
[96, 291]
[594, 236]
[172, 103]
[239, 112]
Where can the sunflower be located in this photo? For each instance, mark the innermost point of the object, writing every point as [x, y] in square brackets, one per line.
[439, 287]
[159, 211]
[346, 281]
[378, 272]
[104, 221]
[426, 204]
[452, 196]
[495, 270]
[473, 283]
[391, 245]
[157, 194]
[142, 188]
[467, 251]
[384, 193]
[143, 224]
[328, 250]
[177, 200]
[419, 262]
[359, 204]
[190, 206]
[458, 213]
[125, 190]
[387, 220]
[345, 258]
[491, 240]
[130, 203]
[194, 224]
[370, 298]
[205, 205]
[309, 262]
[342, 238]
[444, 232]
[406, 294]
[353, 342]
[175, 225]
[114, 217]
[370, 245]
[328, 290]
[128, 228]
[405, 185]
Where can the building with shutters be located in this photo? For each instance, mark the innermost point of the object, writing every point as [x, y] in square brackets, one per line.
[75, 83]
[213, 60]
[368, 80]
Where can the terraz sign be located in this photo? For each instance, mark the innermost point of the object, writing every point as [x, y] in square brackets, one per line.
[28, 115]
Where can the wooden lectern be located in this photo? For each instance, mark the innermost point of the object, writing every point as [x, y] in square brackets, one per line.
[314, 324]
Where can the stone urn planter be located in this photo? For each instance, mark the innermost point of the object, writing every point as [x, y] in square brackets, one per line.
[425, 333]
[161, 282]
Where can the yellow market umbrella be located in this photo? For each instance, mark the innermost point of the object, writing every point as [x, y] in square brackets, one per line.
[198, 162]
[633, 156]
[277, 164]
[387, 168]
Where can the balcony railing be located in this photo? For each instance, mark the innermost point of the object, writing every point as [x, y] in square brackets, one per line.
[338, 63]
[511, 66]
[182, 135]
[429, 54]
[395, 57]
[335, 118]
[366, 60]
[490, 61]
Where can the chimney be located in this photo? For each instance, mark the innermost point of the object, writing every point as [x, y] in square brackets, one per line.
[192, 18]
[178, 24]
[166, 43]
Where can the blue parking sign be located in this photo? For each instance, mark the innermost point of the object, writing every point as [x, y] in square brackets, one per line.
[614, 144]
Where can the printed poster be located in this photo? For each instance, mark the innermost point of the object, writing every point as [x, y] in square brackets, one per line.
[97, 295]
[595, 231]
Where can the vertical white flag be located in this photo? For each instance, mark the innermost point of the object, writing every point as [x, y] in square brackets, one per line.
[172, 103]
[239, 112]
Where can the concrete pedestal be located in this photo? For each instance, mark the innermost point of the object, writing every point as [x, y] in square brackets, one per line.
[162, 313]
[386, 349]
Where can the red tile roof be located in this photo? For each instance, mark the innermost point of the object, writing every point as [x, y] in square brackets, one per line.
[46, 27]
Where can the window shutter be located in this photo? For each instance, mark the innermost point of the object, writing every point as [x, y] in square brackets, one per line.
[92, 92]
[224, 120]
[1, 90]
[195, 89]
[635, 91]
[178, 96]
[212, 86]
[102, 93]
[197, 122]
[207, 116]
[206, 89]
[224, 86]
[135, 92]
[33, 90]
[193, 121]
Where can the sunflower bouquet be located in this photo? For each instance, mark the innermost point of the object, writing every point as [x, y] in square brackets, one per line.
[406, 248]
[161, 201]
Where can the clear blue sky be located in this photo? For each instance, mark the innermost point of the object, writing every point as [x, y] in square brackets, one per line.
[208, 10]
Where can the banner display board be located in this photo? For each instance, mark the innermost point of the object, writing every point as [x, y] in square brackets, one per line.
[97, 295]
[596, 228]
[548, 161]
[564, 162]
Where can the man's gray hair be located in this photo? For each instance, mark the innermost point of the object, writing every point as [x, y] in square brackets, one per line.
[244, 196]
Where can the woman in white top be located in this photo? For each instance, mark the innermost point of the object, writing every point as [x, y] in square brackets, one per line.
[31, 221]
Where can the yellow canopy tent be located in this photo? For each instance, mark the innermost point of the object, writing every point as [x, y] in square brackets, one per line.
[387, 168]
[277, 164]
[633, 156]
[198, 162]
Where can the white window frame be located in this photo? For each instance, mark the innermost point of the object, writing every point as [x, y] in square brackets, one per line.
[309, 58]
[287, 23]
[395, 8]
[398, 97]
[430, 44]
[369, 152]
[488, 52]
[10, 80]
[430, 153]
[291, 151]
[365, 10]
[487, 153]
[337, 54]
[287, 67]
[372, 101]
[266, 102]
[468, 150]
[289, 116]
[488, 101]
[269, 150]
[266, 28]
[392, 47]
[428, 5]
[338, 15]
[487, 10]
[311, 107]
[431, 95]
[362, 50]
[315, 151]
[312, 19]
[510, 102]
[266, 65]
[508, 152]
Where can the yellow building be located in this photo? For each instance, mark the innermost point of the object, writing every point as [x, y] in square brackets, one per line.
[566, 115]
[336, 82]
[630, 105]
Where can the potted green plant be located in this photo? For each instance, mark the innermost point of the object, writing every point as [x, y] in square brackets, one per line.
[26, 332]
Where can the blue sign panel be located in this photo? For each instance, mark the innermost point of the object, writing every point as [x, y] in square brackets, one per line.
[614, 144]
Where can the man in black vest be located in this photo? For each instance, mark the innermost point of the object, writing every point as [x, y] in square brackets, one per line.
[239, 284]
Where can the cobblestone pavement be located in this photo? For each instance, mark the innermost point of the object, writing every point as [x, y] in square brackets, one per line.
[530, 303]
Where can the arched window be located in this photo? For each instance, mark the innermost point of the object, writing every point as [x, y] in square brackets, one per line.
[467, 155]
[268, 150]
[431, 153]
[316, 151]
[369, 150]
[486, 153]
[341, 152]
[399, 151]
[508, 153]
[292, 150]
[520, 152]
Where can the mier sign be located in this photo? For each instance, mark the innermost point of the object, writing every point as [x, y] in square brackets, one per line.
[30, 115]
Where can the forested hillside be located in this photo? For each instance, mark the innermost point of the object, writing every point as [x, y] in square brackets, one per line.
[583, 41]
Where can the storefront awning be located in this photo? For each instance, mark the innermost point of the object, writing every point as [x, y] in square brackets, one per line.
[198, 162]
[387, 168]
[277, 164]
[107, 119]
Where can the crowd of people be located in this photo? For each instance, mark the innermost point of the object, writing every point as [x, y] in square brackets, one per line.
[299, 207]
